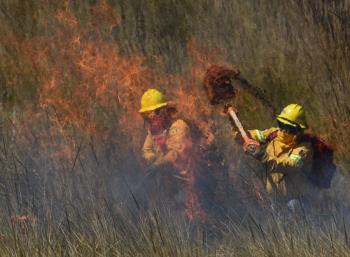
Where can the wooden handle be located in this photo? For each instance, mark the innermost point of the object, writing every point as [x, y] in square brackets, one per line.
[238, 124]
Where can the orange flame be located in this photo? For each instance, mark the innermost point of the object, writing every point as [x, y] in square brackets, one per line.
[84, 77]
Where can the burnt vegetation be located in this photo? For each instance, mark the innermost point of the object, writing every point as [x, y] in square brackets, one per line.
[71, 77]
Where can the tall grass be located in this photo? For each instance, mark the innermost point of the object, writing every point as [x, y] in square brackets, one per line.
[100, 228]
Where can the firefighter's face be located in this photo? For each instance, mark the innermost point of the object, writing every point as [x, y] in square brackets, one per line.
[157, 119]
[289, 129]
[155, 115]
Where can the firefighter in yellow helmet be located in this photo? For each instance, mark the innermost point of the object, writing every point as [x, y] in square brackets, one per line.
[169, 142]
[288, 159]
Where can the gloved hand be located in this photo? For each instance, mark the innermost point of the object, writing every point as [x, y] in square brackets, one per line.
[168, 158]
[251, 146]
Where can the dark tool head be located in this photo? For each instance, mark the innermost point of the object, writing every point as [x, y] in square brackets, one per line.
[218, 83]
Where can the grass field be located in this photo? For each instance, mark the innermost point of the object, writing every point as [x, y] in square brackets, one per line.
[71, 76]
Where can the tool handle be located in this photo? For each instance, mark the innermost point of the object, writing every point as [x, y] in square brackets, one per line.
[238, 124]
[250, 145]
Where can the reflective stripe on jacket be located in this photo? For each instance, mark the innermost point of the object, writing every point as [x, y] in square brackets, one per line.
[287, 161]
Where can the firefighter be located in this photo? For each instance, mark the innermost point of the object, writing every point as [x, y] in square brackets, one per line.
[169, 143]
[287, 157]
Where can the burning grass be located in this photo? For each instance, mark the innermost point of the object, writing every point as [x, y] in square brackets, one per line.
[71, 76]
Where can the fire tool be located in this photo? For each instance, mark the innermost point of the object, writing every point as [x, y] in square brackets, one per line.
[218, 86]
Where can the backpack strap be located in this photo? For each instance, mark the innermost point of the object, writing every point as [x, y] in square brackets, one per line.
[271, 136]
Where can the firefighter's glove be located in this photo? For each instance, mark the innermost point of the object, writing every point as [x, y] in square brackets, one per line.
[251, 146]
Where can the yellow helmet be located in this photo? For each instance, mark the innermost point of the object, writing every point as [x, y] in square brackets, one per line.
[152, 99]
[294, 115]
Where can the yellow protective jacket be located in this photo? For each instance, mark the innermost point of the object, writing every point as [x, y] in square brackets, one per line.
[287, 163]
[173, 146]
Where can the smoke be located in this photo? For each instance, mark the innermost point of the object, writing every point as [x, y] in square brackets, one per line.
[79, 142]
[80, 138]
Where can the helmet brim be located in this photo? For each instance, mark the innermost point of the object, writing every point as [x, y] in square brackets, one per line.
[288, 122]
[152, 108]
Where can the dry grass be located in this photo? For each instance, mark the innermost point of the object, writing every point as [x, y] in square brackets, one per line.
[99, 228]
[71, 74]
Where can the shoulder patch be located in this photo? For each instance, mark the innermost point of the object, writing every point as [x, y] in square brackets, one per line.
[179, 126]
[302, 153]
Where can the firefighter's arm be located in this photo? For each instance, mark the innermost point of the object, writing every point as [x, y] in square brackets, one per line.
[178, 142]
[297, 158]
[260, 135]
[148, 152]
[257, 138]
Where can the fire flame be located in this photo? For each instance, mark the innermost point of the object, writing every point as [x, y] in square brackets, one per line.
[84, 77]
